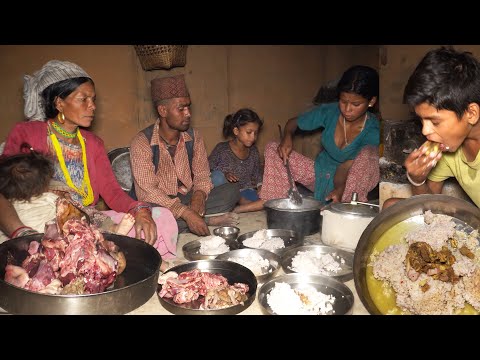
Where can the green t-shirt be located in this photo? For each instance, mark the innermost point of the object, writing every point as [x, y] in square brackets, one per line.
[467, 173]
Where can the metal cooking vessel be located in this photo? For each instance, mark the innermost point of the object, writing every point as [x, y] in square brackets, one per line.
[135, 286]
[120, 161]
[304, 219]
[343, 223]
[403, 210]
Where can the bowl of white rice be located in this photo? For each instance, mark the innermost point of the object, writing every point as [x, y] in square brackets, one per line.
[208, 247]
[263, 263]
[275, 240]
[319, 260]
[300, 294]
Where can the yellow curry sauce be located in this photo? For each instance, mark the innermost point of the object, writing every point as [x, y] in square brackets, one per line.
[382, 294]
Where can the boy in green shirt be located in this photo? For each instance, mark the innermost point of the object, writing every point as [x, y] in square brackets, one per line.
[444, 92]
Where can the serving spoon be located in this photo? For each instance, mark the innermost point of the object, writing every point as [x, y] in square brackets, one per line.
[293, 193]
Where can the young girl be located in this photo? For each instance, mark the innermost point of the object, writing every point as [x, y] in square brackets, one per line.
[26, 181]
[238, 160]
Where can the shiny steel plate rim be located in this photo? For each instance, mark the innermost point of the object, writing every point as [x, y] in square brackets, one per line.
[273, 259]
[191, 250]
[290, 239]
[231, 270]
[344, 275]
[344, 298]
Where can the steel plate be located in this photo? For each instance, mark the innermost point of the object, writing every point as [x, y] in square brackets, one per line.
[343, 304]
[120, 161]
[290, 239]
[131, 289]
[268, 272]
[232, 271]
[343, 275]
[191, 250]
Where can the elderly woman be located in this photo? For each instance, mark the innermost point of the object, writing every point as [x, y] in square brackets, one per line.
[61, 96]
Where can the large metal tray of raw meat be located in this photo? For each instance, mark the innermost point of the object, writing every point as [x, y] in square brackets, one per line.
[131, 289]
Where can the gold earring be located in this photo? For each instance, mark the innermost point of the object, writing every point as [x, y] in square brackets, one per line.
[61, 118]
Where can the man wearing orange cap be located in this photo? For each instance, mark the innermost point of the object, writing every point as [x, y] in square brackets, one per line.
[169, 171]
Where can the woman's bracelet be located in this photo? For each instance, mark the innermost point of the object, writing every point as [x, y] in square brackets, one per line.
[140, 206]
[22, 230]
[413, 182]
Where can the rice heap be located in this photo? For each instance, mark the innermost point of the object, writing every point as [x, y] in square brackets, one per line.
[283, 300]
[436, 271]
[213, 245]
[260, 240]
[313, 263]
[257, 264]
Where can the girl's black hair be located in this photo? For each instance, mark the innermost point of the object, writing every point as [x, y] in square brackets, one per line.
[60, 89]
[361, 80]
[240, 118]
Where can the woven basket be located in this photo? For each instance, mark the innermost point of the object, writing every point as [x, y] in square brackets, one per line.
[154, 57]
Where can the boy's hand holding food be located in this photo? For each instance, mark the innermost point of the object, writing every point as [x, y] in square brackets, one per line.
[421, 161]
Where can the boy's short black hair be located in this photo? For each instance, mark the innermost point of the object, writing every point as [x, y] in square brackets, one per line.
[446, 79]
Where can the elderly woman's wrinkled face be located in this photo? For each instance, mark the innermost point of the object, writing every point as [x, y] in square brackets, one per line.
[78, 107]
[177, 113]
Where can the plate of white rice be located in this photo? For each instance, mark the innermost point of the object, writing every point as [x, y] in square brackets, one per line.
[275, 240]
[319, 260]
[300, 294]
[208, 248]
[263, 263]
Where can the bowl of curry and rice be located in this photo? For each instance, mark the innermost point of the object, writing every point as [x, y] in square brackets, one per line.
[421, 256]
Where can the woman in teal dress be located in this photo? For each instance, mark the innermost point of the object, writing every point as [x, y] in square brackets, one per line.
[350, 138]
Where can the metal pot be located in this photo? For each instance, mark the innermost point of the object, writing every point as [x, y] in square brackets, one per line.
[343, 223]
[135, 286]
[404, 211]
[304, 219]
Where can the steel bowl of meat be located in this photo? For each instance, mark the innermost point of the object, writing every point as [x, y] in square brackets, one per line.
[301, 294]
[207, 287]
[319, 260]
[275, 240]
[74, 269]
[420, 256]
[263, 263]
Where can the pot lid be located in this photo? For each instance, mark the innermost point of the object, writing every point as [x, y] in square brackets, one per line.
[354, 209]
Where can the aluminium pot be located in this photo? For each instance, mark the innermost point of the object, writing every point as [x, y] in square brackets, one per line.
[405, 211]
[344, 223]
[304, 219]
[131, 289]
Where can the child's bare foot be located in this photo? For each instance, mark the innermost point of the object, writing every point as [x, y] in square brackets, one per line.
[251, 206]
[227, 219]
[125, 225]
[167, 264]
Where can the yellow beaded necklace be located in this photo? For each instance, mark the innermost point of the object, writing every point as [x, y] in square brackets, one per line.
[87, 197]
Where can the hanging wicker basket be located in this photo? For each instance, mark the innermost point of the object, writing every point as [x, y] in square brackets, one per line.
[155, 57]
